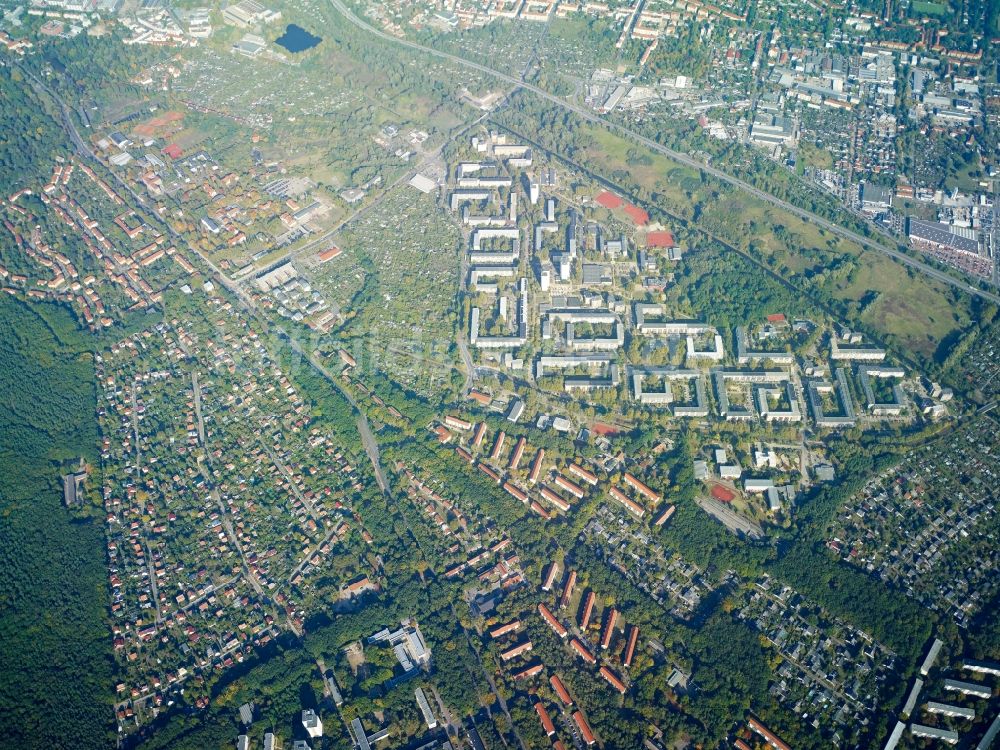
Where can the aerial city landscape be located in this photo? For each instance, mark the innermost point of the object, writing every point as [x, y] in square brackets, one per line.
[499, 374]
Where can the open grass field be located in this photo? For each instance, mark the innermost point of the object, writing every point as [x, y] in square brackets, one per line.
[668, 176]
[928, 8]
[905, 307]
[811, 156]
[911, 308]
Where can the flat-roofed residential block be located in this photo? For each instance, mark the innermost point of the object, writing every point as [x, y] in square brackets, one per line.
[898, 402]
[841, 350]
[912, 697]
[649, 320]
[982, 667]
[425, 709]
[931, 657]
[934, 733]
[945, 709]
[716, 353]
[968, 688]
[894, 736]
[696, 404]
[745, 355]
[840, 391]
[991, 734]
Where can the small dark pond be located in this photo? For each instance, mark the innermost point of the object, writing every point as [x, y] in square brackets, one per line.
[297, 39]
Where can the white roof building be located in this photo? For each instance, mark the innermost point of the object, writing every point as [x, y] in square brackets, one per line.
[425, 708]
[312, 723]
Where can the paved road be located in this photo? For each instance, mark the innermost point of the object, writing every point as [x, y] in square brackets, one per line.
[150, 567]
[248, 575]
[212, 588]
[451, 727]
[196, 387]
[135, 422]
[309, 553]
[489, 678]
[85, 152]
[821, 679]
[680, 158]
[367, 437]
[323, 239]
[227, 524]
[460, 340]
[290, 478]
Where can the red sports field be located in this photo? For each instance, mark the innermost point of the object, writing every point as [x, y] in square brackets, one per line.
[609, 200]
[722, 494]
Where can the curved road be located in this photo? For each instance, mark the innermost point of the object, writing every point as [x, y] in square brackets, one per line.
[676, 156]
[364, 429]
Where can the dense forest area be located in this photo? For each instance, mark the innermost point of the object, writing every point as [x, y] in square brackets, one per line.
[29, 137]
[55, 667]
